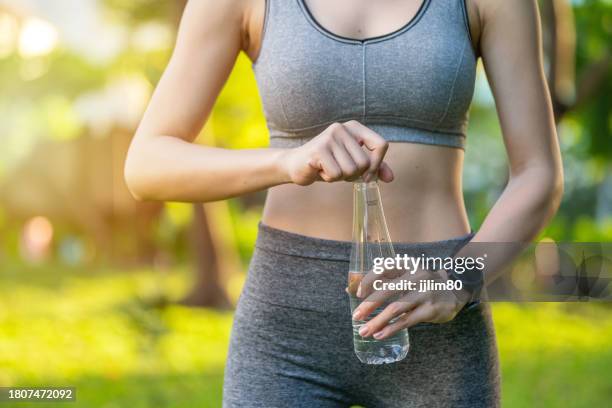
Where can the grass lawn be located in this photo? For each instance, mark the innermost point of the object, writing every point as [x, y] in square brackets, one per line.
[113, 337]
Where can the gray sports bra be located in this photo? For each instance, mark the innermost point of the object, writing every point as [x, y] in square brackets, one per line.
[412, 85]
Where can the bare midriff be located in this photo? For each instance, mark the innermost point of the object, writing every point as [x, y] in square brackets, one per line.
[424, 203]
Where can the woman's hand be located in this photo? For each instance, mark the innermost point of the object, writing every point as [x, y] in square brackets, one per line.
[343, 151]
[411, 307]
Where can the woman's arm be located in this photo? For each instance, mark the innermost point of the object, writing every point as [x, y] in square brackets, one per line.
[510, 46]
[511, 50]
[163, 163]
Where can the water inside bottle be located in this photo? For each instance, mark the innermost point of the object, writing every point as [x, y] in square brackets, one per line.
[368, 349]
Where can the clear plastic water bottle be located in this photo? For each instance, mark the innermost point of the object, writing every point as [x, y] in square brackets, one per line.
[371, 240]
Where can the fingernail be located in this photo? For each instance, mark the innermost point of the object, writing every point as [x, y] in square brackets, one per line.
[356, 314]
[358, 291]
[363, 332]
[378, 335]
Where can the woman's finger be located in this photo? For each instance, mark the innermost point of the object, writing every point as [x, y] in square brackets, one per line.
[329, 170]
[344, 160]
[374, 142]
[385, 173]
[418, 315]
[377, 298]
[359, 156]
[393, 310]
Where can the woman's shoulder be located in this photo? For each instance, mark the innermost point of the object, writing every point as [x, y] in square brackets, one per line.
[207, 9]
[502, 15]
[489, 11]
[234, 19]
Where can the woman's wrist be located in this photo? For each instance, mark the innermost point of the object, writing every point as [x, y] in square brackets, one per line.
[279, 165]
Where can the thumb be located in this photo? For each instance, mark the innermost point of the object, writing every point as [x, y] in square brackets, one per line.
[385, 173]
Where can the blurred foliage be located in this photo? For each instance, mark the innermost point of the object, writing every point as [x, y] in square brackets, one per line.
[594, 28]
[63, 326]
[136, 11]
[237, 120]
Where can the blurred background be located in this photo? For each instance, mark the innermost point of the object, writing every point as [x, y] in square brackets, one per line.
[132, 302]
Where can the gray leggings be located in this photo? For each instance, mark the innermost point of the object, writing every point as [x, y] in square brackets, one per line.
[291, 343]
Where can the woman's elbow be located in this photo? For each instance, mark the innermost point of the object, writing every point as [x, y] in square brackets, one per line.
[557, 188]
[134, 175]
[552, 188]
[543, 188]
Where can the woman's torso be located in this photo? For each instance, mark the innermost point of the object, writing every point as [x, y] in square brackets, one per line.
[311, 73]
[423, 203]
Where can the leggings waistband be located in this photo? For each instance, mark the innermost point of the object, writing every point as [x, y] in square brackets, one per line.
[289, 243]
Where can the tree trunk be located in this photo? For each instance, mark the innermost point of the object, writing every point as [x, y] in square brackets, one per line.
[207, 290]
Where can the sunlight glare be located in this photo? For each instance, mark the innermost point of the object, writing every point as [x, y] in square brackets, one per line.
[37, 38]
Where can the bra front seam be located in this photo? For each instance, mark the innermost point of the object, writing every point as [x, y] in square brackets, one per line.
[363, 79]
